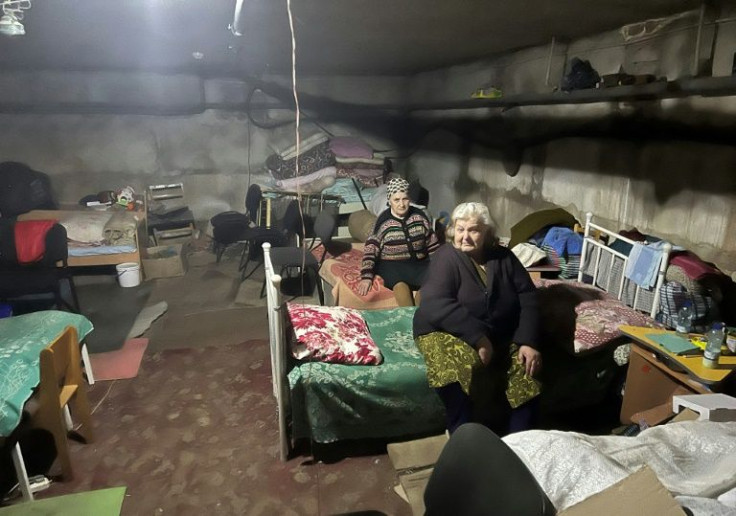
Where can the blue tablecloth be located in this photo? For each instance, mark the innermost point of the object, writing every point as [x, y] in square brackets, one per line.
[21, 340]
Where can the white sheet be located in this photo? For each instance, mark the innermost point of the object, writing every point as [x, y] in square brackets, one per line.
[691, 459]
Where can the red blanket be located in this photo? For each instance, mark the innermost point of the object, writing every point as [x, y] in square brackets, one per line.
[30, 239]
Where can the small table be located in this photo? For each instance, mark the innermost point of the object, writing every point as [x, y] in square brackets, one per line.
[654, 373]
[543, 271]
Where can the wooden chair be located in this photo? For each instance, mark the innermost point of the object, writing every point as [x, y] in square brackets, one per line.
[61, 387]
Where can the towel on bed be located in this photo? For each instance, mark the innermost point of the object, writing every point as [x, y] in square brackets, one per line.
[643, 265]
[120, 229]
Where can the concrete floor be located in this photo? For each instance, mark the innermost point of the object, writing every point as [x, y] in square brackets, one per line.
[196, 430]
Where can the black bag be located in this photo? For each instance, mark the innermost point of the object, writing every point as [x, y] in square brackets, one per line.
[229, 217]
[580, 77]
[23, 189]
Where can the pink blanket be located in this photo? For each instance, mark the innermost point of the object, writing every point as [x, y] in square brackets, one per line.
[343, 273]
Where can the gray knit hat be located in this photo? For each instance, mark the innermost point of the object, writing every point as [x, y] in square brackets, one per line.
[396, 185]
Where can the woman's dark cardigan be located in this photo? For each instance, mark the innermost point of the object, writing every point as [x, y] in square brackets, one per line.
[455, 301]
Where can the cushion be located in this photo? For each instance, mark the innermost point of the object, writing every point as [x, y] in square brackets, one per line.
[598, 321]
[360, 224]
[332, 334]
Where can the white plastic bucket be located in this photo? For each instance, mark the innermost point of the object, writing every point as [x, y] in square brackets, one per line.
[129, 274]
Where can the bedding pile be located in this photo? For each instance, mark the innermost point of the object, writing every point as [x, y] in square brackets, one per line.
[322, 160]
[694, 460]
[92, 232]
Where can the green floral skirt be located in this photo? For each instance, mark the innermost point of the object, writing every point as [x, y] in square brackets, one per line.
[451, 360]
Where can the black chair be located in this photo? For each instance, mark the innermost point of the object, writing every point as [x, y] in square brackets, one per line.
[296, 256]
[477, 474]
[231, 227]
[44, 277]
[324, 228]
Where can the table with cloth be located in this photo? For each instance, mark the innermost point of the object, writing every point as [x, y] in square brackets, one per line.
[21, 340]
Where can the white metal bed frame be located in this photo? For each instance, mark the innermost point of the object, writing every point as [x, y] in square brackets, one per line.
[277, 344]
[590, 243]
[278, 341]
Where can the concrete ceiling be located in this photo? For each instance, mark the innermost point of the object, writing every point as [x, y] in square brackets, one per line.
[368, 37]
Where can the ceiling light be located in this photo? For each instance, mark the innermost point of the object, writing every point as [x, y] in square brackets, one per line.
[235, 27]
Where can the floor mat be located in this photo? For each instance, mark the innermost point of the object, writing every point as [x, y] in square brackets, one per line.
[120, 364]
[112, 309]
[103, 502]
[209, 328]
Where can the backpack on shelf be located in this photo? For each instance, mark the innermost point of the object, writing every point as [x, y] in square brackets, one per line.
[581, 76]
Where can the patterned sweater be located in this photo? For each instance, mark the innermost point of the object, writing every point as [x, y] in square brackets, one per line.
[394, 239]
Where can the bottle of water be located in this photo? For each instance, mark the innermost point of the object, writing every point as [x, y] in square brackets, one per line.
[684, 321]
[713, 347]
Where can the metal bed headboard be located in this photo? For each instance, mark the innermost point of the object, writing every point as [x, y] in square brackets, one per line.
[591, 243]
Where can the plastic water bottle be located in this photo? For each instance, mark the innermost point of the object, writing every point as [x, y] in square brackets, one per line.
[713, 346]
[684, 319]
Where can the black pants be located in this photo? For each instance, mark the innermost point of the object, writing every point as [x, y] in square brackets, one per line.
[497, 415]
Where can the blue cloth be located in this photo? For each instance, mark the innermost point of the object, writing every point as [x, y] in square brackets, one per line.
[643, 265]
[564, 241]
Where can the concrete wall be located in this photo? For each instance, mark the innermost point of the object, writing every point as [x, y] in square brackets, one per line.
[216, 153]
[674, 183]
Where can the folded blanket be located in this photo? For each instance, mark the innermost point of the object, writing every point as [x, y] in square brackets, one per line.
[350, 147]
[121, 228]
[564, 241]
[302, 181]
[312, 160]
[360, 162]
[305, 145]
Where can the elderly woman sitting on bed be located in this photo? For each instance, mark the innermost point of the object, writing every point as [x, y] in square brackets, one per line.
[399, 248]
[477, 327]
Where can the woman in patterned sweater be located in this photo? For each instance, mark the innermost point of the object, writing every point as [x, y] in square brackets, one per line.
[399, 248]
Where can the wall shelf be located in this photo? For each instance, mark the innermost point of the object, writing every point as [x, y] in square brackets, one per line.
[704, 86]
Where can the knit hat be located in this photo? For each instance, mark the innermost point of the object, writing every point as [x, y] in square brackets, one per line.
[396, 185]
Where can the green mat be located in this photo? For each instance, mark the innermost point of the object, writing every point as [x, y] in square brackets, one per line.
[103, 502]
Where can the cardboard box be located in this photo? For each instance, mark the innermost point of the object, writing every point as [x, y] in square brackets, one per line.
[639, 493]
[164, 261]
[648, 386]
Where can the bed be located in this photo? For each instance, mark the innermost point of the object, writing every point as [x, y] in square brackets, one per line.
[340, 276]
[327, 402]
[585, 353]
[108, 237]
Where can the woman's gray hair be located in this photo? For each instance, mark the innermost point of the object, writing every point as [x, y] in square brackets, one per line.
[472, 210]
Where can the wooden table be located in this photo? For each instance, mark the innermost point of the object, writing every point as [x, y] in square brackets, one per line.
[543, 271]
[654, 373]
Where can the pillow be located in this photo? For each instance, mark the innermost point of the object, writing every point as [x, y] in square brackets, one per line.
[85, 226]
[332, 334]
[598, 321]
[528, 254]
